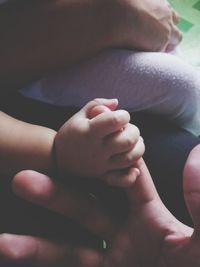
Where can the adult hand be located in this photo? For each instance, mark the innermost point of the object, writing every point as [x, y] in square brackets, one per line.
[149, 237]
[146, 25]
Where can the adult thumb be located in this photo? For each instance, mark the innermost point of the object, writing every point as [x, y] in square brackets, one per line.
[191, 186]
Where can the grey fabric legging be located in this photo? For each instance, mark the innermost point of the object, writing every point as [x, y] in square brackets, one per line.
[158, 83]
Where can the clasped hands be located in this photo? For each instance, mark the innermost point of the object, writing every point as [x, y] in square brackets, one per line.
[149, 236]
[99, 141]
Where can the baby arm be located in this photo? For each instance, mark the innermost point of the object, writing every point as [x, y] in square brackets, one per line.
[24, 146]
[95, 143]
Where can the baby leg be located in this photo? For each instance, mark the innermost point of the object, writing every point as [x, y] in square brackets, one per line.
[158, 83]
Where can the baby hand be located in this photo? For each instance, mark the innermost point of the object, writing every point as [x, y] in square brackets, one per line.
[124, 177]
[92, 144]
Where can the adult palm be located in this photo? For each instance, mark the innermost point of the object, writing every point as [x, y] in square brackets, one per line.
[149, 237]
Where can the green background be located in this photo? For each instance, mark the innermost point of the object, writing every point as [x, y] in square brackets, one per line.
[189, 11]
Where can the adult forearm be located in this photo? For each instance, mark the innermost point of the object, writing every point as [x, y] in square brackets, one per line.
[24, 146]
[40, 36]
[43, 35]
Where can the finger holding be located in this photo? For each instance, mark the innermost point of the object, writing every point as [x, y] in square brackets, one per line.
[81, 207]
[143, 190]
[108, 123]
[122, 141]
[127, 159]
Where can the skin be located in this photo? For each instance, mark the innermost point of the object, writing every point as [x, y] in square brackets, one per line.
[62, 25]
[105, 143]
[149, 237]
[23, 63]
[98, 144]
[147, 25]
[24, 145]
[50, 47]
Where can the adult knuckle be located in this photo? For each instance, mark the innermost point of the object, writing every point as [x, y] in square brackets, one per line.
[176, 17]
[164, 40]
[167, 32]
[180, 36]
[168, 11]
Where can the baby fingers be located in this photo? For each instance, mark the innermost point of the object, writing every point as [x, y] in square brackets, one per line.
[127, 159]
[123, 140]
[108, 122]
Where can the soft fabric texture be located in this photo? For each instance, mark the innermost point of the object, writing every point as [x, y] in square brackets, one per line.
[158, 83]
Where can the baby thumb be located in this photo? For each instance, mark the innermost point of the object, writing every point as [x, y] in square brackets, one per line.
[97, 110]
[99, 105]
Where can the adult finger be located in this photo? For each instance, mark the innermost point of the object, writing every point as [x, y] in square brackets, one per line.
[191, 187]
[143, 190]
[40, 252]
[85, 209]
[175, 17]
[122, 178]
[175, 39]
